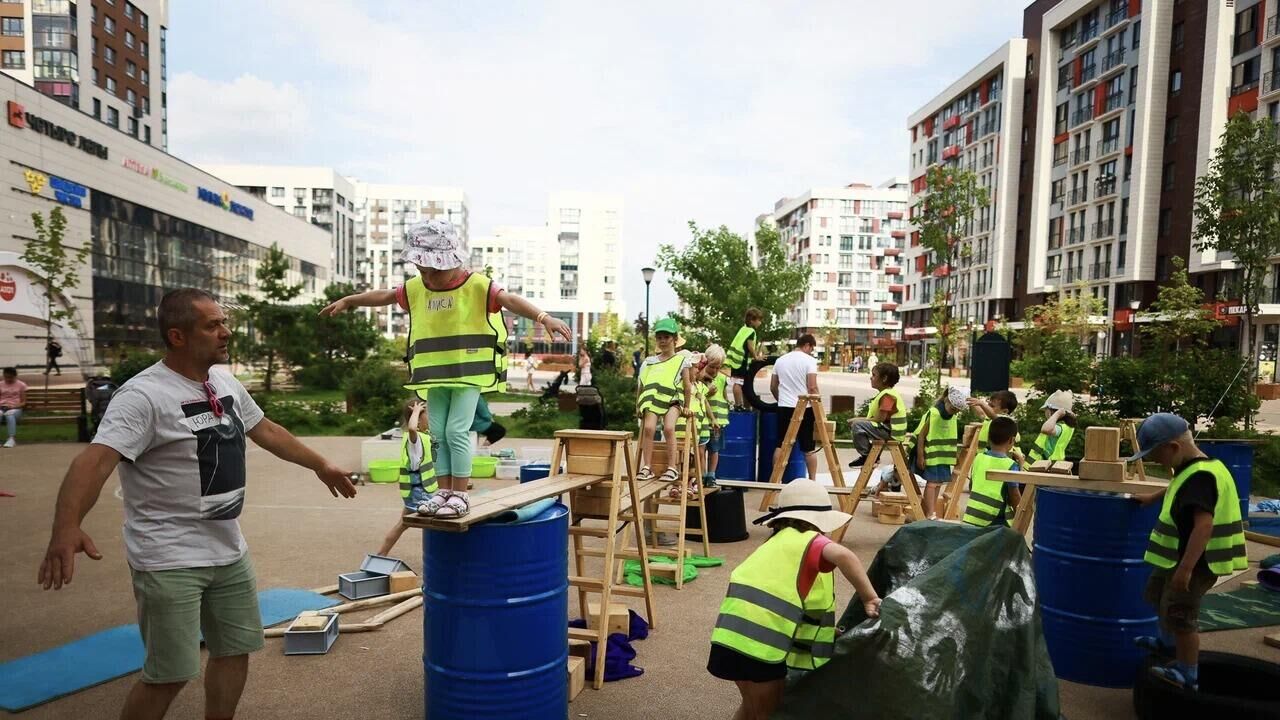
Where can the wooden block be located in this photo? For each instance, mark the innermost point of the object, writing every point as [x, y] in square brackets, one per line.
[1062, 467]
[1273, 640]
[1041, 466]
[893, 498]
[406, 580]
[899, 519]
[579, 648]
[663, 569]
[593, 447]
[1102, 444]
[1111, 471]
[619, 619]
[310, 622]
[589, 465]
[577, 676]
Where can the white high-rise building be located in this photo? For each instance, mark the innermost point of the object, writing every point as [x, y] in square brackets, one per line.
[318, 195]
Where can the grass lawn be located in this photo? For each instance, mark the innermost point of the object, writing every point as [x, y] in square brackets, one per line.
[62, 432]
[302, 395]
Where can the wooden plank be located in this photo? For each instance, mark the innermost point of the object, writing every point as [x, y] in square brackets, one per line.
[589, 464]
[594, 434]
[325, 590]
[374, 601]
[1271, 540]
[392, 613]
[484, 507]
[1072, 482]
[1273, 640]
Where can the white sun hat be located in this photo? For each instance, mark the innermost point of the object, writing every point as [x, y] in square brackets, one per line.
[1061, 400]
[808, 501]
[434, 244]
[957, 397]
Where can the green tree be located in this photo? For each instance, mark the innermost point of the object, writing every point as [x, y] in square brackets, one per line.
[945, 219]
[272, 324]
[57, 269]
[326, 349]
[1237, 210]
[1053, 344]
[1179, 317]
[716, 279]
[612, 327]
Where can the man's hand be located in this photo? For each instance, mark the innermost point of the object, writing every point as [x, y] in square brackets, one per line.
[337, 480]
[60, 559]
[1181, 579]
[336, 307]
[556, 326]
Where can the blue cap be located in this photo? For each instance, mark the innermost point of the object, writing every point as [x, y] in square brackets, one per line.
[1158, 430]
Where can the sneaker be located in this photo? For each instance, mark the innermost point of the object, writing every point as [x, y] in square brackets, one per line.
[1154, 645]
[9, 443]
[1174, 675]
[858, 463]
[708, 481]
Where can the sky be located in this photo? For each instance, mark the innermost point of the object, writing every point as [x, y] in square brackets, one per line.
[704, 111]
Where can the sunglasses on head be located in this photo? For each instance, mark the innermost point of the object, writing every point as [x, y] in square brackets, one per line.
[212, 396]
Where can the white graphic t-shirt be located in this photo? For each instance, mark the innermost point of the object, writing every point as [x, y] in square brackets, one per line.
[183, 478]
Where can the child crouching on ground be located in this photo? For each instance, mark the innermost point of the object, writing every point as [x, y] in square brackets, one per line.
[780, 609]
[417, 472]
[937, 439]
[992, 502]
[664, 395]
[457, 345]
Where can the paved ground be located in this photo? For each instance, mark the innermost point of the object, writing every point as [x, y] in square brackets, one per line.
[300, 537]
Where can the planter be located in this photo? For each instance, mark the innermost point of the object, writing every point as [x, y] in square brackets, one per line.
[1268, 391]
[1015, 382]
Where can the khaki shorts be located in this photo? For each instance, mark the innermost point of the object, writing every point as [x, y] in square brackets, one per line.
[1179, 610]
[176, 606]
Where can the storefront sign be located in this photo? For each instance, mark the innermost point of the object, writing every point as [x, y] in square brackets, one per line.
[64, 191]
[21, 119]
[8, 287]
[224, 201]
[154, 173]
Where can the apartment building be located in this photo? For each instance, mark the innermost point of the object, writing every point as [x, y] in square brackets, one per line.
[853, 239]
[106, 58]
[319, 195]
[974, 124]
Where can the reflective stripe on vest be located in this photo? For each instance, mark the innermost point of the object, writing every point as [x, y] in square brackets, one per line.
[898, 421]
[736, 356]
[986, 497]
[453, 340]
[661, 385]
[719, 401]
[1225, 552]
[940, 445]
[763, 615]
[1041, 449]
[424, 475]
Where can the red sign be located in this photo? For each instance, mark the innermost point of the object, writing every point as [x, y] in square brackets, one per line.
[8, 288]
[17, 115]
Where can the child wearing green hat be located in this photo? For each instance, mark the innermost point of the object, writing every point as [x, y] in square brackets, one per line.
[664, 393]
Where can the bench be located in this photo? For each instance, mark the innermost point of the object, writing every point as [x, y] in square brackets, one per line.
[55, 406]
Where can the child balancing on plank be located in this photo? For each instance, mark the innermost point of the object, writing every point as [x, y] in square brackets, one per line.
[457, 346]
[780, 609]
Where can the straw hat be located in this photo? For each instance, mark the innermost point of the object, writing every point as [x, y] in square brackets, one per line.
[1061, 400]
[806, 500]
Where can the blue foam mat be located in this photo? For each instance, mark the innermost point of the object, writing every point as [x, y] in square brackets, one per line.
[107, 655]
[1265, 524]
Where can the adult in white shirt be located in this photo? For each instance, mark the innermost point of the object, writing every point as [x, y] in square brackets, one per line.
[796, 374]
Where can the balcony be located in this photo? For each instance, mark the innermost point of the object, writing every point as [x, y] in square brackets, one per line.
[1119, 15]
[1113, 61]
[1104, 186]
[1081, 155]
[1075, 235]
[1059, 159]
[981, 258]
[1079, 195]
[1055, 241]
[1273, 27]
[1103, 229]
[1057, 200]
[1075, 274]
[1270, 82]
[1064, 78]
[988, 159]
[1088, 73]
[889, 306]
[892, 270]
[1099, 271]
[1089, 31]
[1243, 88]
[1107, 147]
[1114, 101]
[1053, 274]
[1082, 115]
[895, 215]
[897, 288]
[892, 251]
[951, 122]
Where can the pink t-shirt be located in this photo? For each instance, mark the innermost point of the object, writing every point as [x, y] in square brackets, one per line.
[11, 393]
[812, 565]
[402, 297]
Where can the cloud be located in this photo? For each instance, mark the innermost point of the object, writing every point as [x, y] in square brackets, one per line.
[708, 111]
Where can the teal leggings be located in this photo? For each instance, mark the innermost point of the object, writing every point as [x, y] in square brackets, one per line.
[451, 412]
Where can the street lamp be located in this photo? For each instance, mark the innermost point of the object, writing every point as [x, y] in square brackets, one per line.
[648, 278]
[1133, 324]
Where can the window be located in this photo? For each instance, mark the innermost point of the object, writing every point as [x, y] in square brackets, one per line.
[146, 134]
[1060, 119]
[128, 10]
[11, 26]
[128, 39]
[97, 108]
[111, 85]
[13, 59]
[1166, 180]
[1246, 30]
[131, 97]
[113, 116]
[109, 25]
[133, 127]
[1175, 82]
[146, 105]
[1137, 33]
[146, 78]
[300, 211]
[130, 68]
[143, 48]
[1179, 36]
[142, 20]
[277, 192]
[109, 54]
[1171, 130]
[1244, 76]
[1166, 219]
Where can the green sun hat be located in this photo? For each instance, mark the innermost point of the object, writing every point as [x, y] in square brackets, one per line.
[667, 325]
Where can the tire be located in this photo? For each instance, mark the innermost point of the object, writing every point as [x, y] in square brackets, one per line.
[1231, 686]
[749, 386]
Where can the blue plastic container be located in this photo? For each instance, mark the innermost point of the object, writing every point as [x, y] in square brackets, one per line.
[769, 439]
[738, 459]
[534, 471]
[1238, 457]
[1090, 576]
[495, 605]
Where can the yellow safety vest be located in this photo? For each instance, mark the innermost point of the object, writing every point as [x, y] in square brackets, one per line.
[987, 503]
[661, 385]
[1041, 449]
[426, 472]
[763, 615]
[984, 433]
[940, 445]
[697, 407]
[736, 356]
[898, 422]
[720, 401]
[454, 341]
[1225, 552]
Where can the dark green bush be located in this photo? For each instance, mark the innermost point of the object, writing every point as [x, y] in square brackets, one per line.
[377, 394]
[132, 364]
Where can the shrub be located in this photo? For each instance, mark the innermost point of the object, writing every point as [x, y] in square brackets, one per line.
[376, 391]
[132, 364]
[619, 394]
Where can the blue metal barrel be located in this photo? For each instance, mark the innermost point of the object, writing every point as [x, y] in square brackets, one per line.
[738, 459]
[1090, 576]
[769, 439]
[1238, 457]
[495, 604]
[534, 471]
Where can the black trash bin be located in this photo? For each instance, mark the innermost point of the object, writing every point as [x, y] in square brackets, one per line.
[726, 517]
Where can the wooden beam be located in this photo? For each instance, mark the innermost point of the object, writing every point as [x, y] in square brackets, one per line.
[1262, 538]
[484, 507]
[1071, 482]
[751, 485]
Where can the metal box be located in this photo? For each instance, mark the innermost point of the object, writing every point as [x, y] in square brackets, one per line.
[310, 641]
[372, 580]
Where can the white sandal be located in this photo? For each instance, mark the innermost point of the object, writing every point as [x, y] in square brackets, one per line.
[432, 504]
[455, 506]
[646, 473]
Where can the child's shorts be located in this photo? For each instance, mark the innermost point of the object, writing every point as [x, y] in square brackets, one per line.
[716, 444]
[729, 664]
[1179, 611]
[417, 495]
[937, 474]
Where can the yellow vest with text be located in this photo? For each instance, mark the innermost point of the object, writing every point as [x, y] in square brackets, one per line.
[1225, 552]
[940, 445]
[425, 475]
[763, 615]
[736, 356]
[661, 386]
[454, 341]
[898, 422]
[1040, 451]
[987, 503]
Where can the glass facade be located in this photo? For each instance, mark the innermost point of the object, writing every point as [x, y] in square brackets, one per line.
[54, 51]
[140, 253]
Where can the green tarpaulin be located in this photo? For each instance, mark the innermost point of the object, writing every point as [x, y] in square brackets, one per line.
[958, 635]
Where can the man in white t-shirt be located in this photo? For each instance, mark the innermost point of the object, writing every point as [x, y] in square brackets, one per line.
[796, 374]
[180, 428]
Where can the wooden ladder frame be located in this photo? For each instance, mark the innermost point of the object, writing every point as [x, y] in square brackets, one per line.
[607, 454]
[822, 429]
[1129, 431]
[898, 455]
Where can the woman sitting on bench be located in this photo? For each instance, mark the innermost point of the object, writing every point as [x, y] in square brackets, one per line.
[13, 398]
